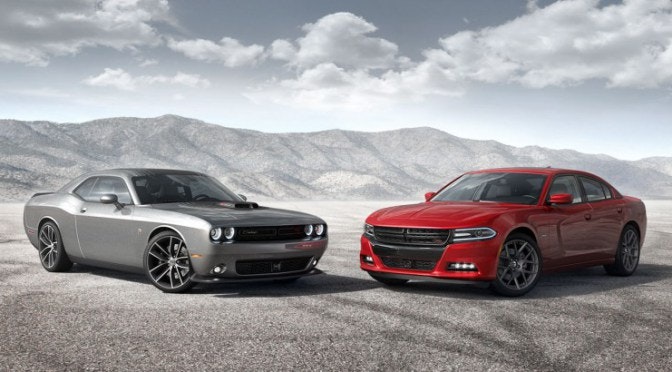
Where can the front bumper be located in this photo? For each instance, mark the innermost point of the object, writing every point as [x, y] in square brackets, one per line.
[422, 263]
[257, 261]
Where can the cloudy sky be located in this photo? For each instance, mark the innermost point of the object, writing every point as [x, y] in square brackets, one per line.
[590, 75]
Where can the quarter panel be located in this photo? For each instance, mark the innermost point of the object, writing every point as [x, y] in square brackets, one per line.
[59, 208]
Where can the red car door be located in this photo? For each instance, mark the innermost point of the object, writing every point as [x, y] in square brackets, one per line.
[565, 230]
[606, 219]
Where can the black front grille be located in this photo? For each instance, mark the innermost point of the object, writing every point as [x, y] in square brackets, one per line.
[411, 236]
[260, 267]
[257, 233]
[404, 263]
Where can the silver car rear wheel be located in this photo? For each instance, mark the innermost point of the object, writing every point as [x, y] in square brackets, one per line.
[50, 247]
[167, 263]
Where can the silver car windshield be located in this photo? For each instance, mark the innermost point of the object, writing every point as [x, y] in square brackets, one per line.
[179, 188]
[517, 188]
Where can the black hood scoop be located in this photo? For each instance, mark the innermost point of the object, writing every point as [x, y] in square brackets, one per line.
[243, 205]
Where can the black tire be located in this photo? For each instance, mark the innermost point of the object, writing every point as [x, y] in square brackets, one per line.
[51, 250]
[167, 263]
[518, 266]
[627, 253]
[392, 282]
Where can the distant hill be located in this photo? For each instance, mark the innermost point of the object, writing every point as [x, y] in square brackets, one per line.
[334, 164]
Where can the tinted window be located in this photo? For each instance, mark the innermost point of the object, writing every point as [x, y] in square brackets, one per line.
[84, 189]
[519, 188]
[566, 185]
[595, 190]
[176, 188]
[93, 188]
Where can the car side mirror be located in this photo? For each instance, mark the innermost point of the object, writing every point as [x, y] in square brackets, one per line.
[429, 195]
[561, 199]
[243, 197]
[111, 199]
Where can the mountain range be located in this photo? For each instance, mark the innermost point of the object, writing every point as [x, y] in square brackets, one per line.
[334, 164]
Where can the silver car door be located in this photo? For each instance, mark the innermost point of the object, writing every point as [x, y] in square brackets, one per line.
[106, 232]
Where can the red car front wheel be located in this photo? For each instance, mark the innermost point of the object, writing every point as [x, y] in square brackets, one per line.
[518, 267]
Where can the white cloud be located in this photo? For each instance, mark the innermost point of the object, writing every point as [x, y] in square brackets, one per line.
[228, 51]
[33, 31]
[570, 42]
[120, 79]
[148, 62]
[339, 38]
[565, 43]
[329, 87]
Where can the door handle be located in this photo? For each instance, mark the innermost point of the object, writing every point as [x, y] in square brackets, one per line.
[619, 210]
[83, 210]
[587, 217]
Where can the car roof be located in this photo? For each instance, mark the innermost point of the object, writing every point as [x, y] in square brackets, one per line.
[135, 172]
[125, 173]
[534, 170]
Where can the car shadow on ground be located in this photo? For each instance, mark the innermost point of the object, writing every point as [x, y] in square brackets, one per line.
[552, 285]
[571, 283]
[308, 286]
[108, 273]
[320, 284]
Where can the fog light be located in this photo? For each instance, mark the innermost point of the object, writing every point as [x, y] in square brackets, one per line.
[314, 262]
[219, 269]
[368, 259]
[462, 266]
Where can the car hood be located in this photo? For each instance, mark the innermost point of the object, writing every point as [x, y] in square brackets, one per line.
[225, 214]
[446, 215]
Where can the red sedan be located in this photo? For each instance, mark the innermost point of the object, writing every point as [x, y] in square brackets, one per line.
[506, 227]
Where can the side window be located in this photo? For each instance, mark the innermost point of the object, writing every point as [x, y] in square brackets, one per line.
[109, 185]
[566, 185]
[84, 189]
[607, 192]
[595, 191]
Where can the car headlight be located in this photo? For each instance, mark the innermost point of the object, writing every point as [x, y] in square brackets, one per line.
[368, 229]
[308, 229]
[319, 229]
[229, 233]
[216, 233]
[472, 234]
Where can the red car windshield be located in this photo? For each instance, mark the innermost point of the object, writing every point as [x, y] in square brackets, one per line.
[517, 188]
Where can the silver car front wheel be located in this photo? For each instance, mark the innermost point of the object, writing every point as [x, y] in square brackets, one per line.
[167, 263]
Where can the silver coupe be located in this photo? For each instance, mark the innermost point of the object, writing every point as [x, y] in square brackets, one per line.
[177, 227]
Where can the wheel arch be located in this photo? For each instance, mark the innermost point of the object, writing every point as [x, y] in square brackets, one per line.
[634, 224]
[46, 219]
[159, 229]
[525, 230]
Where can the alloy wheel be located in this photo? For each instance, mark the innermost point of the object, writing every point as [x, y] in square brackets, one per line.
[49, 246]
[168, 263]
[518, 265]
[630, 250]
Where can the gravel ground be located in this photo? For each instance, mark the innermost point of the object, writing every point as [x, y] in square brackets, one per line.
[93, 319]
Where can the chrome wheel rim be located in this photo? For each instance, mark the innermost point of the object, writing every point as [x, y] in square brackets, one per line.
[168, 262]
[518, 265]
[48, 246]
[630, 250]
